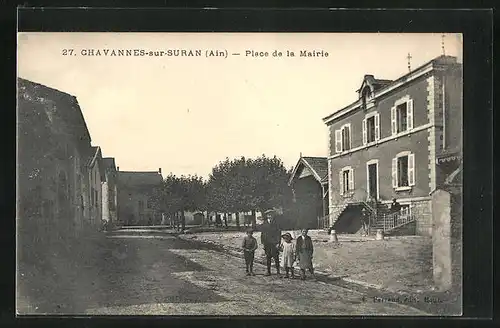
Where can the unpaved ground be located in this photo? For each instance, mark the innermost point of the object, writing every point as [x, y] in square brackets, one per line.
[137, 274]
[396, 264]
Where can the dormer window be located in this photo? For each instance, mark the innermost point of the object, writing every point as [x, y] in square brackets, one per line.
[365, 96]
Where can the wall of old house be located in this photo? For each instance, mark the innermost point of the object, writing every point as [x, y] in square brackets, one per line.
[96, 198]
[51, 169]
[129, 211]
[308, 202]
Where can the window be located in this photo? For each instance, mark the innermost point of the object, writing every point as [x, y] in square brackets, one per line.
[371, 129]
[346, 180]
[402, 116]
[343, 139]
[366, 94]
[403, 170]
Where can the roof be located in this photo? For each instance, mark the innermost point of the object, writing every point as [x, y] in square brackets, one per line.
[109, 163]
[318, 165]
[377, 84]
[138, 178]
[71, 114]
[388, 85]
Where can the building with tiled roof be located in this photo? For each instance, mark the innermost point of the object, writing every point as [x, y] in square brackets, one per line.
[309, 182]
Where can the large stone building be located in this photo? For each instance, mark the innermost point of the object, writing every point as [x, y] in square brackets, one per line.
[135, 190]
[400, 139]
[53, 150]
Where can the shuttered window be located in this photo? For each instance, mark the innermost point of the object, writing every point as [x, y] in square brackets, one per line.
[346, 180]
[343, 139]
[402, 117]
[403, 170]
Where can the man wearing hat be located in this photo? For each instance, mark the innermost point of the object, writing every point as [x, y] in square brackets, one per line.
[271, 238]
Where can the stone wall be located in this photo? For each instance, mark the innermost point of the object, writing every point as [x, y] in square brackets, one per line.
[423, 213]
[447, 240]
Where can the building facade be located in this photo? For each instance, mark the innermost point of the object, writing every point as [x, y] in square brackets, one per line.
[110, 192]
[392, 141]
[53, 147]
[135, 190]
[309, 182]
[96, 179]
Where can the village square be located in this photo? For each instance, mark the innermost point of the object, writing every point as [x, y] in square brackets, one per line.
[371, 228]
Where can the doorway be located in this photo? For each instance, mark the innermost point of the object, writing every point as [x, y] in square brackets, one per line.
[372, 179]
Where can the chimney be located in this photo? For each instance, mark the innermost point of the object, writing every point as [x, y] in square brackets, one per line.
[159, 170]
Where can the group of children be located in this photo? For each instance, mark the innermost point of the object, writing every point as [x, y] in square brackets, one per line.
[300, 252]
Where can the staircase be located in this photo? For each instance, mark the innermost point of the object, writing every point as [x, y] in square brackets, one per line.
[328, 220]
[390, 222]
[381, 217]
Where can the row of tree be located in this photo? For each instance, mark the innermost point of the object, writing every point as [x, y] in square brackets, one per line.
[234, 186]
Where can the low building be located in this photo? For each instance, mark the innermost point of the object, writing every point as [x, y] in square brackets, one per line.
[110, 192]
[309, 182]
[96, 178]
[400, 139]
[135, 190]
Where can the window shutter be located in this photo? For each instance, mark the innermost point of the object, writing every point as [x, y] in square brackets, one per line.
[338, 141]
[394, 128]
[409, 114]
[348, 133]
[341, 182]
[351, 179]
[395, 172]
[411, 169]
[377, 127]
[365, 137]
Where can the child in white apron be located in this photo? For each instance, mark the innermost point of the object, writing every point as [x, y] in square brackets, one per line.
[288, 248]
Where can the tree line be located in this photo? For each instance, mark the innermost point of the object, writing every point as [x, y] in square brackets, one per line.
[234, 186]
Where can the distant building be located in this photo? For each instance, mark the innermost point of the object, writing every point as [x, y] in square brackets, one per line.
[135, 189]
[400, 139]
[53, 148]
[110, 191]
[309, 182]
[96, 179]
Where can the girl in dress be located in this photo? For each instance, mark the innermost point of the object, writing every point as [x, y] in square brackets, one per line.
[305, 251]
[288, 249]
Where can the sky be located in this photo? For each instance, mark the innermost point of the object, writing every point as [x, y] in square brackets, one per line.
[185, 114]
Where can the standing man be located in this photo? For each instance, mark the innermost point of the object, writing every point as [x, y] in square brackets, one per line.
[365, 219]
[395, 209]
[271, 238]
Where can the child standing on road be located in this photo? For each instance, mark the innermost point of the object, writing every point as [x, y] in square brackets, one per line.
[288, 249]
[305, 252]
[249, 246]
